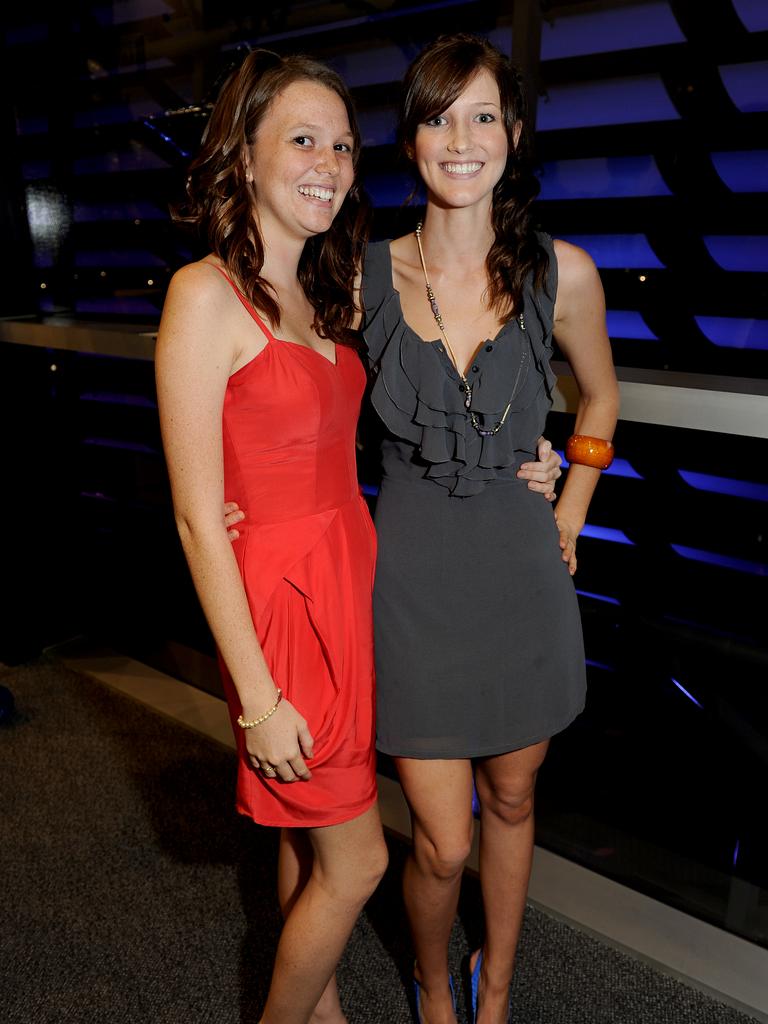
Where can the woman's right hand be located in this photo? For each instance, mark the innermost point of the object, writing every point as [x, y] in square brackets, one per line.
[541, 475]
[233, 515]
[277, 747]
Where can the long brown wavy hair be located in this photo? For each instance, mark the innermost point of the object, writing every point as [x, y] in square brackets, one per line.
[220, 200]
[433, 82]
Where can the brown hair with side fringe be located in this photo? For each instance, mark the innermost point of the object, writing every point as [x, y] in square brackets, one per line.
[220, 200]
[433, 82]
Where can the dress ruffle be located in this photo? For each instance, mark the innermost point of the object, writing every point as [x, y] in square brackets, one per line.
[298, 554]
[277, 551]
[417, 392]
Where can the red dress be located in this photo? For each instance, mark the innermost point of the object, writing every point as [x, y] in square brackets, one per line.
[306, 554]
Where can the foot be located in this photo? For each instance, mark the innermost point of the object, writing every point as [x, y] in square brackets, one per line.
[328, 1009]
[435, 1005]
[492, 1000]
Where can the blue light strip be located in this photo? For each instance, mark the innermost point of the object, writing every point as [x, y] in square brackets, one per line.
[606, 533]
[620, 252]
[736, 851]
[166, 138]
[622, 467]
[688, 695]
[731, 332]
[599, 597]
[599, 664]
[619, 467]
[725, 485]
[739, 252]
[369, 489]
[617, 177]
[639, 99]
[629, 324]
[724, 561]
[744, 170]
[753, 14]
[604, 31]
[747, 85]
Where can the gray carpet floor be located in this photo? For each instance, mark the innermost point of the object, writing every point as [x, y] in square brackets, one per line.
[131, 893]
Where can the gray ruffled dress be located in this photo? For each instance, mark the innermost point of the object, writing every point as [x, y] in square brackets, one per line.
[478, 638]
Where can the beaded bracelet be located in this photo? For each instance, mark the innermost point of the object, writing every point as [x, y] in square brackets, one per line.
[589, 451]
[262, 718]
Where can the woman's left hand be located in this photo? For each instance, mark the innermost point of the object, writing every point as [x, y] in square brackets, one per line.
[541, 475]
[568, 535]
[233, 515]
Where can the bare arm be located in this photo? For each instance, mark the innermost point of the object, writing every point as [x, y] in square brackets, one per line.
[583, 338]
[193, 362]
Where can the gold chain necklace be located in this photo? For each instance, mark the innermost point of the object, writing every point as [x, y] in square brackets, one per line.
[465, 385]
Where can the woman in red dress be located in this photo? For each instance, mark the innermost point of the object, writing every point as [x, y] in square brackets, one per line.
[259, 388]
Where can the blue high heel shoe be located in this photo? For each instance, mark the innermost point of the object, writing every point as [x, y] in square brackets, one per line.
[417, 994]
[474, 983]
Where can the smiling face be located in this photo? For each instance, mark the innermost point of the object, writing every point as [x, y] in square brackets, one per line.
[301, 161]
[461, 153]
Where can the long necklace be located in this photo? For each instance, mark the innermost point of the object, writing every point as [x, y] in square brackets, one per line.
[466, 387]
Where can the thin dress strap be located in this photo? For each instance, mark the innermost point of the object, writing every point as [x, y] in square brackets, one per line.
[247, 304]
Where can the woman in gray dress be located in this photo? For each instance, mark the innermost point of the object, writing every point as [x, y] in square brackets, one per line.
[479, 656]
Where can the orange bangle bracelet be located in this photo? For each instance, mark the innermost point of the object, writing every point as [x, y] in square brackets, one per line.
[589, 451]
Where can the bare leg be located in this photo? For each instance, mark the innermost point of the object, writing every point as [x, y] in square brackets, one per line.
[348, 862]
[505, 786]
[439, 794]
[293, 872]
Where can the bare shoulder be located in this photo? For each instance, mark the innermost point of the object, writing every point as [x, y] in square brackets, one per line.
[199, 284]
[575, 267]
[579, 288]
[197, 314]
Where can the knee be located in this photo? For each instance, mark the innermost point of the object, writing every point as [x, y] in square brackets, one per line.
[364, 875]
[442, 858]
[512, 804]
[351, 879]
[377, 862]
